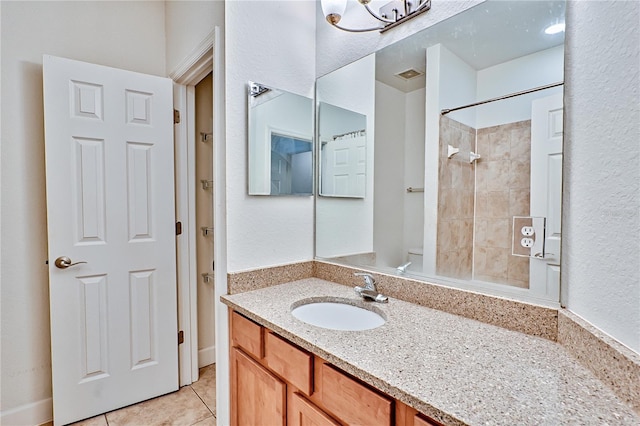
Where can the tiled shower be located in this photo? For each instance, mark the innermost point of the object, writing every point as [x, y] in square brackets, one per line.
[477, 200]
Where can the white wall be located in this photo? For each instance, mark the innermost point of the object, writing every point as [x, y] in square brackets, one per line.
[344, 226]
[388, 183]
[187, 24]
[261, 46]
[414, 148]
[458, 84]
[398, 215]
[261, 231]
[601, 205]
[128, 35]
[534, 70]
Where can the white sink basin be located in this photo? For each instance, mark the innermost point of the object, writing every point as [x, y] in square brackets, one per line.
[337, 316]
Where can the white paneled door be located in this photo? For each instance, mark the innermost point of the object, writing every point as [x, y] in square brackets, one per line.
[546, 192]
[343, 166]
[111, 230]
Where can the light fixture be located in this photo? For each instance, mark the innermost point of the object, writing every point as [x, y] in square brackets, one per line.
[390, 15]
[554, 29]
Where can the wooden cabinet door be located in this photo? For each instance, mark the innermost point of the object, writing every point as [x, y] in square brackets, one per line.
[304, 413]
[257, 396]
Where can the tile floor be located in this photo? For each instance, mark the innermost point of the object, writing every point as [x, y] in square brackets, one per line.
[193, 405]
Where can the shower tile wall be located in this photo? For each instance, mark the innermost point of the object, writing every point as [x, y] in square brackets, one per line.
[502, 191]
[455, 201]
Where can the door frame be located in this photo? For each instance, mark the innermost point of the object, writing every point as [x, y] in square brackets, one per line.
[205, 58]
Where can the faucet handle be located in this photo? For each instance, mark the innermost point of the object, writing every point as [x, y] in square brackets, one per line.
[369, 281]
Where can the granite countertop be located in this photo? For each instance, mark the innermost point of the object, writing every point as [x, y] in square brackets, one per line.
[454, 369]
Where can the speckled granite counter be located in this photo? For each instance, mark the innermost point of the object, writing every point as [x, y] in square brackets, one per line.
[454, 369]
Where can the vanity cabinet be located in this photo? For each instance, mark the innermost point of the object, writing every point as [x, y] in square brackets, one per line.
[257, 396]
[275, 382]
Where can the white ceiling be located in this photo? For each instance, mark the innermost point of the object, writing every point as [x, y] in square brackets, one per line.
[485, 35]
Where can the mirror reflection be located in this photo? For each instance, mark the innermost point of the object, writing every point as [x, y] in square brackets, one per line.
[468, 154]
[280, 142]
[344, 225]
[343, 141]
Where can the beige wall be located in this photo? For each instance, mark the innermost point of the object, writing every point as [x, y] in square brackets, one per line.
[128, 35]
[490, 192]
[502, 191]
[456, 193]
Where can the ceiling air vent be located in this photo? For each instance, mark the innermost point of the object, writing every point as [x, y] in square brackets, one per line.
[409, 74]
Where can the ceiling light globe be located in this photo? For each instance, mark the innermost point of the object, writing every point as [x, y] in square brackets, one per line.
[333, 10]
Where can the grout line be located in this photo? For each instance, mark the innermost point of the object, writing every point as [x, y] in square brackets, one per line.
[205, 404]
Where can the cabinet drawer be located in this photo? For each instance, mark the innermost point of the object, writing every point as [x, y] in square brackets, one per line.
[289, 362]
[247, 335]
[352, 402]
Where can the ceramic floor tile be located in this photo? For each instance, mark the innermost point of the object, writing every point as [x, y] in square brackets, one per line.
[100, 420]
[205, 387]
[182, 408]
[209, 421]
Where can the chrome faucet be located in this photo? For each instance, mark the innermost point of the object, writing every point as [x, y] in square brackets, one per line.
[369, 290]
[403, 268]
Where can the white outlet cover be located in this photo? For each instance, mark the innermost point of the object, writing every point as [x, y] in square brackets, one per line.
[527, 242]
[527, 231]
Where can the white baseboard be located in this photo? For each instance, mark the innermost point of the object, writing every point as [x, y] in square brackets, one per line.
[206, 356]
[32, 414]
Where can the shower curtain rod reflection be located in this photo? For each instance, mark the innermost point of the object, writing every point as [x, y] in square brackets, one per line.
[511, 95]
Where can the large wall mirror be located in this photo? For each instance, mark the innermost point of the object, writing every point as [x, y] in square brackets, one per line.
[280, 142]
[464, 154]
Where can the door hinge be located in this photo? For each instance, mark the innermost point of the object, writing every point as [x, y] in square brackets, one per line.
[176, 116]
[180, 337]
[178, 228]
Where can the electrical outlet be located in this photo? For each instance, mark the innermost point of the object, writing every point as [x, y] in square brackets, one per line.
[528, 236]
[527, 242]
[527, 231]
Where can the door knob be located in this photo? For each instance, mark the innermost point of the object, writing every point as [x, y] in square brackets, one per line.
[63, 262]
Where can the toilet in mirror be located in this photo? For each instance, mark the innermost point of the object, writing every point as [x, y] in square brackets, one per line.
[463, 154]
